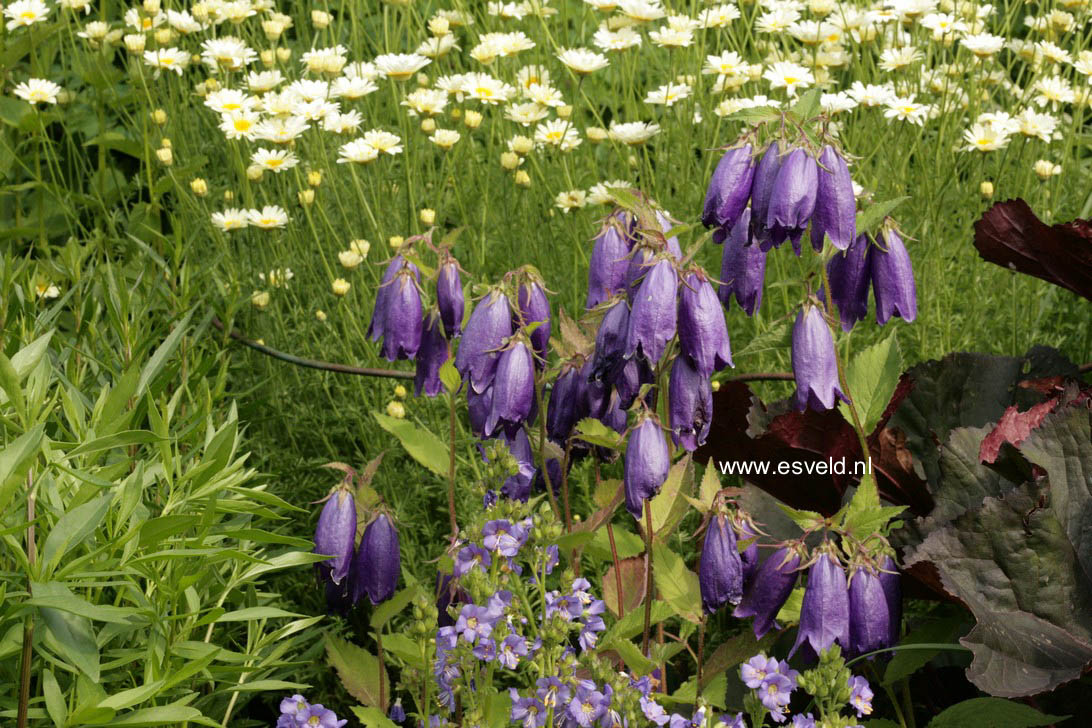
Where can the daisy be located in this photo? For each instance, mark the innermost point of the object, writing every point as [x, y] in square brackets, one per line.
[400, 66]
[582, 60]
[427, 101]
[558, 133]
[616, 40]
[357, 151]
[837, 103]
[306, 89]
[545, 95]
[984, 138]
[983, 45]
[367, 71]
[38, 91]
[777, 20]
[228, 53]
[906, 109]
[445, 138]
[571, 200]
[1053, 90]
[24, 13]
[789, 76]
[601, 194]
[262, 81]
[227, 100]
[604, 6]
[325, 60]
[896, 59]
[45, 289]
[278, 277]
[171, 59]
[342, 123]
[239, 124]
[728, 63]
[633, 133]
[352, 88]
[281, 130]
[641, 10]
[668, 37]
[526, 114]
[183, 22]
[268, 218]
[1033, 124]
[384, 141]
[532, 75]
[1083, 65]
[486, 89]
[719, 16]
[871, 94]
[668, 94]
[274, 160]
[943, 24]
[230, 219]
[437, 46]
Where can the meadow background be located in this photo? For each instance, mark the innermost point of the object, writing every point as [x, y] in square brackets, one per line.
[117, 192]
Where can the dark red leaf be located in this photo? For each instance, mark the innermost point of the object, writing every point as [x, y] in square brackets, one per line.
[1013, 428]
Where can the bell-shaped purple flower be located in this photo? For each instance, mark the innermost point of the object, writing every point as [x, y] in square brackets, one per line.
[378, 561]
[553, 472]
[892, 278]
[513, 388]
[613, 415]
[835, 213]
[892, 589]
[596, 394]
[609, 260]
[646, 466]
[749, 556]
[814, 363]
[690, 404]
[768, 591]
[742, 267]
[610, 340]
[567, 402]
[729, 188]
[703, 333]
[402, 318]
[720, 572]
[518, 486]
[490, 323]
[848, 274]
[336, 535]
[478, 406]
[665, 227]
[869, 615]
[762, 192]
[641, 258]
[534, 307]
[431, 356]
[628, 378]
[792, 199]
[824, 612]
[377, 325]
[653, 316]
[449, 297]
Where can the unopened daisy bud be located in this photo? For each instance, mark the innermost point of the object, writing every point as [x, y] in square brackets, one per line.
[320, 19]
[163, 36]
[564, 112]
[165, 156]
[229, 195]
[135, 42]
[199, 186]
[320, 315]
[423, 80]
[350, 259]
[260, 299]
[521, 145]
[1044, 169]
[396, 242]
[596, 134]
[284, 54]
[306, 197]
[165, 142]
[159, 116]
[522, 178]
[428, 125]
[152, 6]
[268, 57]
[473, 119]
[427, 216]
[360, 246]
[254, 173]
[986, 188]
[633, 161]
[509, 160]
[340, 286]
[396, 410]
[400, 392]
[439, 26]
[272, 29]
[314, 178]
[456, 113]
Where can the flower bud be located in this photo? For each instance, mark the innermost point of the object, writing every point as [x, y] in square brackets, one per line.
[449, 297]
[703, 333]
[472, 119]
[340, 286]
[609, 260]
[320, 19]
[892, 589]
[647, 463]
[720, 571]
[869, 615]
[199, 186]
[431, 356]
[522, 179]
[892, 278]
[490, 323]
[814, 363]
[509, 160]
[159, 116]
[567, 402]
[165, 156]
[848, 274]
[824, 612]
[653, 316]
[729, 188]
[478, 405]
[427, 216]
[792, 199]
[335, 535]
[260, 299]
[761, 191]
[535, 308]
[428, 125]
[690, 399]
[769, 590]
[378, 562]
[522, 145]
[835, 213]
[742, 267]
[986, 189]
[396, 409]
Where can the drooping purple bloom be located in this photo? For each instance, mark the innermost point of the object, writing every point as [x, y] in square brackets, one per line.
[824, 612]
[892, 278]
[609, 259]
[567, 401]
[835, 213]
[553, 472]
[869, 616]
[720, 571]
[610, 341]
[769, 590]
[653, 316]
[614, 416]
[336, 534]
[690, 400]
[513, 388]
[762, 192]
[490, 323]
[535, 307]
[749, 556]
[892, 589]
[665, 227]
[478, 406]
[402, 318]
[430, 357]
[647, 462]
[397, 713]
[628, 377]
[449, 297]
[379, 562]
[377, 327]
[792, 199]
[742, 267]
[703, 333]
[849, 276]
[729, 188]
[814, 363]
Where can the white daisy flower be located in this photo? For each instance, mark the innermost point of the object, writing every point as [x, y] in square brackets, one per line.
[582, 60]
[274, 160]
[400, 66]
[38, 91]
[230, 219]
[357, 151]
[633, 133]
[668, 94]
[268, 218]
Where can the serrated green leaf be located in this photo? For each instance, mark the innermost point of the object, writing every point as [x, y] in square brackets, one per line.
[669, 505]
[872, 376]
[806, 106]
[754, 115]
[874, 214]
[993, 712]
[595, 432]
[631, 655]
[632, 624]
[449, 376]
[676, 583]
[422, 445]
[804, 519]
[372, 717]
[393, 606]
[358, 669]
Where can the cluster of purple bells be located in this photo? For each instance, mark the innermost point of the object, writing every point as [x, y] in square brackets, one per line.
[647, 296]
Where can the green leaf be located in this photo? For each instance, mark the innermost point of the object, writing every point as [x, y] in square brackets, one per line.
[790, 611]
[734, 651]
[449, 375]
[358, 669]
[806, 106]
[109, 442]
[908, 661]
[872, 376]
[162, 715]
[54, 698]
[677, 584]
[804, 519]
[754, 115]
[71, 529]
[28, 357]
[632, 624]
[11, 386]
[57, 596]
[710, 485]
[163, 352]
[631, 655]
[372, 717]
[251, 613]
[993, 712]
[422, 445]
[404, 648]
[498, 707]
[713, 691]
[393, 606]
[595, 432]
[626, 542]
[875, 213]
[71, 637]
[669, 506]
[778, 337]
[15, 462]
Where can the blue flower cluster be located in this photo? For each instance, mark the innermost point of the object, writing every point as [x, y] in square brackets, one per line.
[773, 682]
[296, 712]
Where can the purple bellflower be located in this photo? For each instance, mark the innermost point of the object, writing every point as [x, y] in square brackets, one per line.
[336, 534]
[762, 192]
[449, 297]
[609, 262]
[720, 573]
[647, 462]
[892, 278]
[567, 402]
[749, 556]
[835, 213]
[402, 317]
[869, 615]
[814, 362]
[690, 400]
[534, 307]
[513, 388]
[792, 199]
[703, 333]
[478, 406]
[742, 267]
[892, 589]
[769, 590]
[729, 188]
[378, 561]
[431, 356]
[377, 326]
[824, 612]
[653, 317]
[490, 323]
[610, 341]
[848, 274]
